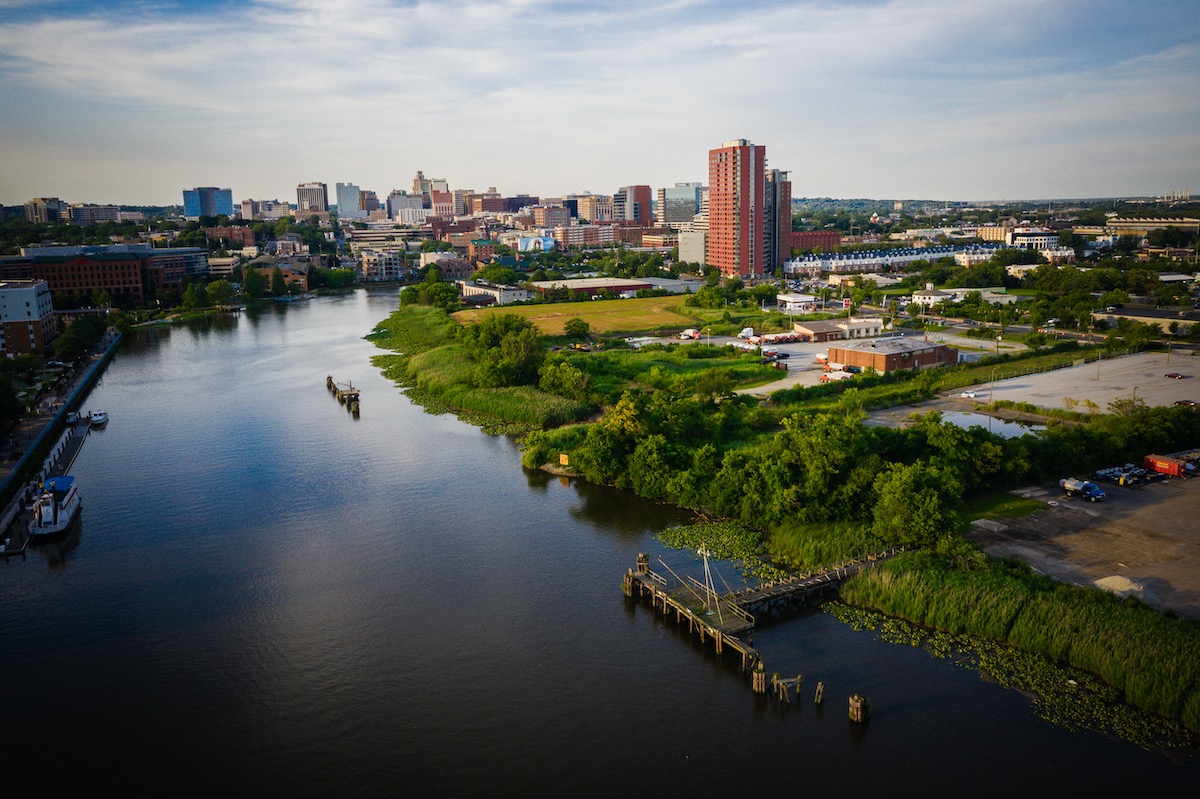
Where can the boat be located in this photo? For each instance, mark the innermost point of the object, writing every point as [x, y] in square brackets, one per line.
[98, 418]
[56, 507]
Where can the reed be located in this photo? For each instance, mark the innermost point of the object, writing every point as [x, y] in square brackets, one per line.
[1152, 659]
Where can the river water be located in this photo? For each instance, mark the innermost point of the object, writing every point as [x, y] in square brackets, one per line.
[267, 595]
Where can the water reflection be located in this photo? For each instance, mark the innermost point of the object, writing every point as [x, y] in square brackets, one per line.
[56, 548]
[623, 512]
[1001, 427]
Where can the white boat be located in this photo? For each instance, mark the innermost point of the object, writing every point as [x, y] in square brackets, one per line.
[56, 507]
[98, 418]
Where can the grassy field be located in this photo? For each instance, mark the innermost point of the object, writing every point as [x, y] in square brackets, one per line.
[640, 315]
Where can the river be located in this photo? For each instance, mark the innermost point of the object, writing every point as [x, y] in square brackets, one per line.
[268, 595]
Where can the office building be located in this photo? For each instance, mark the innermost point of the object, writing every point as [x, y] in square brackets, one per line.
[348, 200]
[92, 214]
[207, 201]
[41, 210]
[677, 205]
[399, 202]
[632, 204]
[595, 208]
[312, 197]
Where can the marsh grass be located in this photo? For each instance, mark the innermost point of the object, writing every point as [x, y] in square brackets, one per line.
[1069, 697]
[1151, 659]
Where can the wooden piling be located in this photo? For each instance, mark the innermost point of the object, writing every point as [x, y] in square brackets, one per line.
[820, 695]
[759, 680]
[860, 709]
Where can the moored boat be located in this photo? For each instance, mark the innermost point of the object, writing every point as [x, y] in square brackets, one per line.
[56, 507]
[98, 418]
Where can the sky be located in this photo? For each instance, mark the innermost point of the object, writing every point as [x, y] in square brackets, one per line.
[131, 101]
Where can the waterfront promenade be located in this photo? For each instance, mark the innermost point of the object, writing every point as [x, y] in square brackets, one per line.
[35, 430]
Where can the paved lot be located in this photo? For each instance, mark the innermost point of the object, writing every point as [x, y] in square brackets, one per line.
[1124, 377]
[1144, 542]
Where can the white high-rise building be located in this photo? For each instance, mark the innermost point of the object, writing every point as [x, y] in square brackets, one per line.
[347, 201]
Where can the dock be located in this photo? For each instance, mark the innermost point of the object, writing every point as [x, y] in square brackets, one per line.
[14, 533]
[346, 393]
[728, 620]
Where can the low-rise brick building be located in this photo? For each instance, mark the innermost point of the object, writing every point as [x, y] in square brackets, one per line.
[891, 354]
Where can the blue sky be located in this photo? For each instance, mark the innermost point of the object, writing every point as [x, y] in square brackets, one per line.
[1026, 99]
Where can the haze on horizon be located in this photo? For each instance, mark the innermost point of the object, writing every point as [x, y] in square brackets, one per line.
[1029, 99]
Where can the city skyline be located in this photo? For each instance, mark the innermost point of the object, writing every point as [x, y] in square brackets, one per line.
[854, 98]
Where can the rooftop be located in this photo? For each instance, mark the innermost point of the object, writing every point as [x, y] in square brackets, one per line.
[889, 346]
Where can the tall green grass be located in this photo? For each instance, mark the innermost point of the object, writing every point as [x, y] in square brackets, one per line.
[808, 547]
[1153, 659]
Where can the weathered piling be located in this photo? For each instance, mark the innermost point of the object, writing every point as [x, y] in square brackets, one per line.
[860, 709]
[346, 393]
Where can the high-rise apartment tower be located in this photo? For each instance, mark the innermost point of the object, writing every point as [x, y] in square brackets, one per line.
[735, 209]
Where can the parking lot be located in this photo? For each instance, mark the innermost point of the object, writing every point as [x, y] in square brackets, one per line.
[1139, 376]
[1142, 542]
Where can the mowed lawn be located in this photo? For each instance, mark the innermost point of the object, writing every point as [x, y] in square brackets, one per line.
[640, 315]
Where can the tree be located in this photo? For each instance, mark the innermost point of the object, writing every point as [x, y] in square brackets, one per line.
[576, 327]
[651, 467]
[559, 377]
[913, 504]
[10, 406]
[714, 384]
[220, 292]
[497, 275]
[278, 284]
[254, 284]
[524, 351]
[440, 295]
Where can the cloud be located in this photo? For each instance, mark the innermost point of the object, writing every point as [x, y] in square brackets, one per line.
[553, 97]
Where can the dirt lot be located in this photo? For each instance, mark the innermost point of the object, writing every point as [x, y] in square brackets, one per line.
[1143, 541]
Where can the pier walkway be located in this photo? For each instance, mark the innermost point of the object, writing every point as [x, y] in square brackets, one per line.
[728, 619]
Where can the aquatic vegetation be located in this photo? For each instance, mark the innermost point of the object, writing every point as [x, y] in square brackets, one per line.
[724, 541]
[1070, 698]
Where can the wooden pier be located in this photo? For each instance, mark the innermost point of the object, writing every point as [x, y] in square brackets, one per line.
[714, 618]
[728, 619]
[346, 393]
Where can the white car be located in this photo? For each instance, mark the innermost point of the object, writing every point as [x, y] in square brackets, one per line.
[968, 394]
